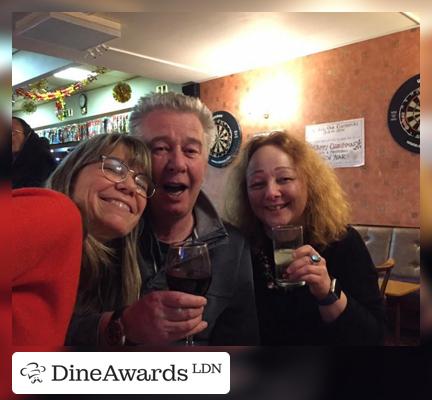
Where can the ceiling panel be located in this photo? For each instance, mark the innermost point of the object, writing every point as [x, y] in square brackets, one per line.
[182, 47]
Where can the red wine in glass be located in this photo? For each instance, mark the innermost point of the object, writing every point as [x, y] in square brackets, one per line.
[188, 281]
[188, 270]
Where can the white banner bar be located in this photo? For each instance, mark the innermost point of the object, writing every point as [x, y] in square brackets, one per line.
[121, 372]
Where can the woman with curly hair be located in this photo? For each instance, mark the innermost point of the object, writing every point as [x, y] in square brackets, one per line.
[281, 180]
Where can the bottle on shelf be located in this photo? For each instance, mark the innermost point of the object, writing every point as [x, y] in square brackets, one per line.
[75, 132]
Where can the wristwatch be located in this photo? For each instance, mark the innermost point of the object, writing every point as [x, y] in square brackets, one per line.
[333, 295]
[114, 332]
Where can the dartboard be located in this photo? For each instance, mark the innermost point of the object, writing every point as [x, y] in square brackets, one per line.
[227, 140]
[223, 139]
[409, 113]
[404, 115]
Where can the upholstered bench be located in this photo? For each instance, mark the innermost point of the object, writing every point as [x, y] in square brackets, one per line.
[403, 246]
[400, 244]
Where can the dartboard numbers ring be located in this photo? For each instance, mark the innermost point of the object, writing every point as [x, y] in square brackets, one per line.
[404, 115]
[226, 143]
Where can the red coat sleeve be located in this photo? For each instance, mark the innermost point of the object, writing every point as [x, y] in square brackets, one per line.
[47, 246]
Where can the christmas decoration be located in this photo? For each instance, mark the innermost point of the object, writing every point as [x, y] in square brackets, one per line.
[40, 86]
[29, 106]
[39, 91]
[60, 106]
[122, 92]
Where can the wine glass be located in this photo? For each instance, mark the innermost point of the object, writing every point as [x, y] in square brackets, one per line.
[188, 269]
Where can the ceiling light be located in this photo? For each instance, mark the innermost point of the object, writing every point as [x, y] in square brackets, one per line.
[73, 74]
[96, 51]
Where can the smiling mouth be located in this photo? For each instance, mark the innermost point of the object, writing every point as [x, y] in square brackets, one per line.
[276, 207]
[120, 204]
[174, 189]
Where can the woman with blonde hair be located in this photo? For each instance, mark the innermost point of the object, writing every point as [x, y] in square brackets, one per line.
[109, 179]
[280, 180]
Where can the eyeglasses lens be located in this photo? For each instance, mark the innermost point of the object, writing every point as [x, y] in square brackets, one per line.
[114, 170]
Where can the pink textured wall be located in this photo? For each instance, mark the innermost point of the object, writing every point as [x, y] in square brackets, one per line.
[353, 81]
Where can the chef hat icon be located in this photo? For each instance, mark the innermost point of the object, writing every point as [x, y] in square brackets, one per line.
[33, 371]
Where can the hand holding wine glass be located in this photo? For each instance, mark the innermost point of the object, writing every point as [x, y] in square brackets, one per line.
[188, 270]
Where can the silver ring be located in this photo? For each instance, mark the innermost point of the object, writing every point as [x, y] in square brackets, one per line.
[315, 258]
[179, 310]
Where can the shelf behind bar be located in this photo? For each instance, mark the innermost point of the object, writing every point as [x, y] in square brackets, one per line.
[69, 144]
[82, 120]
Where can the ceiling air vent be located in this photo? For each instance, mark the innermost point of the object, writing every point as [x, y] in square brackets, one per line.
[74, 30]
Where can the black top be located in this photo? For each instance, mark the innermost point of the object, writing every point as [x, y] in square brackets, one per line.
[290, 317]
[5, 156]
[33, 164]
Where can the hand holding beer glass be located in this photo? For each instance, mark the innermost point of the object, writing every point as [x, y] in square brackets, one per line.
[286, 238]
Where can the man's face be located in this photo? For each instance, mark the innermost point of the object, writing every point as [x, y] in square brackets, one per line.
[179, 160]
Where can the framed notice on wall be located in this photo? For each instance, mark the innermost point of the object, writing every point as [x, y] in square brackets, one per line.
[341, 143]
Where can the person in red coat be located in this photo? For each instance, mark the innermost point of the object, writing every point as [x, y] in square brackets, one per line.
[47, 245]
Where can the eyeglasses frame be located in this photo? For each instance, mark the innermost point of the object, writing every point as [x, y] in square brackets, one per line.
[130, 171]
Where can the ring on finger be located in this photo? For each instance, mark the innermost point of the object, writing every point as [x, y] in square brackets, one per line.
[315, 258]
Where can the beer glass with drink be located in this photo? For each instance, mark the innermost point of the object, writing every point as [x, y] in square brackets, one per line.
[286, 238]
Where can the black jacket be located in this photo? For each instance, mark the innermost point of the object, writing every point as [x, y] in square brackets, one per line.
[230, 310]
[33, 164]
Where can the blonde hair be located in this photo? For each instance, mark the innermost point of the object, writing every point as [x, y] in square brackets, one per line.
[99, 259]
[327, 211]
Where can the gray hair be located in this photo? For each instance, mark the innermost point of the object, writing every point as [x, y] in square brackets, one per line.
[173, 102]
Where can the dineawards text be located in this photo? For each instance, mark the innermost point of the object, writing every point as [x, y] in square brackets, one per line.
[112, 374]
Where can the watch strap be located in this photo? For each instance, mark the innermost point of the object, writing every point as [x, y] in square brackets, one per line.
[114, 332]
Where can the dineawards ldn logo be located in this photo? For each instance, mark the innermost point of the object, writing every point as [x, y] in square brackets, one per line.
[33, 371]
[121, 372]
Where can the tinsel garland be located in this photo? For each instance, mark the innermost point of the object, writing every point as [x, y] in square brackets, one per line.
[39, 92]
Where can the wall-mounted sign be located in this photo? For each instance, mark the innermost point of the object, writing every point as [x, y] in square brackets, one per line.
[227, 141]
[341, 143]
[404, 115]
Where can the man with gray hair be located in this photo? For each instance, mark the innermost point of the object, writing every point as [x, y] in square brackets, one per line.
[178, 129]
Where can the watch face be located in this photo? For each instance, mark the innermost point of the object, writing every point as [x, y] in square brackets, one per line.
[336, 288]
[333, 295]
[83, 100]
[404, 115]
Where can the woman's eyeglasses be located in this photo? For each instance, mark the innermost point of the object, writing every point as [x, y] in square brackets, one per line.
[117, 171]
